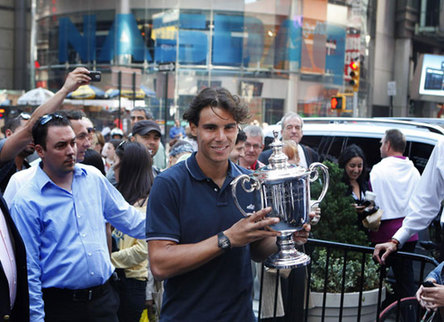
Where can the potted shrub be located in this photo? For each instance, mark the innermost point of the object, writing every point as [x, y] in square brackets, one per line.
[339, 223]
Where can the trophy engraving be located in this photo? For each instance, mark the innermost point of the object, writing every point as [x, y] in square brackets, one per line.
[286, 189]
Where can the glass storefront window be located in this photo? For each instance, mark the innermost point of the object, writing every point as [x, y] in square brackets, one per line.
[278, 56]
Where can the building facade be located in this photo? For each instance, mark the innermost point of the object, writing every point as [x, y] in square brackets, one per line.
[277, 55]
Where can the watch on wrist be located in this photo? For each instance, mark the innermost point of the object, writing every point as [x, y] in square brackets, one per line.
[223, 241]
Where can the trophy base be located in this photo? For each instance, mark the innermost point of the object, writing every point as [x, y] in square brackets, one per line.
[277, 261]
[287, 256]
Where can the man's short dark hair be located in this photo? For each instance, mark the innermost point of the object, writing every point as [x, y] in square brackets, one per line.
[241, 136]
[72, 114]
[216, 97]
[12, 124]
[40, 128]
[147, 113]
[396, 139]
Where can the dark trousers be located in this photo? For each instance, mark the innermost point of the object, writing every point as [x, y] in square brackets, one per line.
[132, 299]
[61, 307]
[403, 272]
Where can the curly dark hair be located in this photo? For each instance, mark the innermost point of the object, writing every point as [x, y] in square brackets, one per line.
[347, 154]
[216, 97]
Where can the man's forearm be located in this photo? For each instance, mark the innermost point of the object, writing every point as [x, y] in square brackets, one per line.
[22, 137]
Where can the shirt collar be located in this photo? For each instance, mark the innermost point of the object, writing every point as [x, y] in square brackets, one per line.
[42, 179]
[195, 171]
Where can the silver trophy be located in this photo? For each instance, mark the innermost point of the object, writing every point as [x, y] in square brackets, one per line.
[285, 188]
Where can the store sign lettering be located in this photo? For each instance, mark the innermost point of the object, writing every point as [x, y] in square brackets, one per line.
[237, 40]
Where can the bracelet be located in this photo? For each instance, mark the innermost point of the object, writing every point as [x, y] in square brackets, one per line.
[395, 241]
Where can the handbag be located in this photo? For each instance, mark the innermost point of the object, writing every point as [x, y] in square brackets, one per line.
[373, 221]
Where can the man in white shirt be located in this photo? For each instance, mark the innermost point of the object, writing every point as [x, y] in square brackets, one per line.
[393, 181]
[423, 206]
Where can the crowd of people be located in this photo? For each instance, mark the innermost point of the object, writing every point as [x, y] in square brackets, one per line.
[91, 228]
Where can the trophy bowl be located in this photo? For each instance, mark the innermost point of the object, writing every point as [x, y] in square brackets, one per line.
[286, 189]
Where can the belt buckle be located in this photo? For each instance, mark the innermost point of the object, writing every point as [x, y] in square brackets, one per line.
[80, 297]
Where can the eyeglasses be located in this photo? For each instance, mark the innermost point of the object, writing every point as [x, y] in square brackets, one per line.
[25, 116]
[91, 130]
[248, 146]
[48, 117]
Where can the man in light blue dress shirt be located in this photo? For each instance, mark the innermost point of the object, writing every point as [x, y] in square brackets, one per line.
[61, 214]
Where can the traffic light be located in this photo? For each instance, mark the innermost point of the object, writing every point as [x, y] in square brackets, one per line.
[2, 113]
[354, 74]
[336, 103]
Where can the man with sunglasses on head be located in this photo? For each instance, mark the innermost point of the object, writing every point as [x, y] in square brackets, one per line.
[62, 213]
[79, 124]
[7, 169]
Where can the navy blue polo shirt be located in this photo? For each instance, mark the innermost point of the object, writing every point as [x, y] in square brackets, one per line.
[187, 207]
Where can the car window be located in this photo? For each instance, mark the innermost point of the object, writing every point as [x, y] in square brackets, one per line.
[419, 153]
[313, 141]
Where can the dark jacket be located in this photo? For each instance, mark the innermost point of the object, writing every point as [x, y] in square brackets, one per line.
[20, 311]
[310, 155]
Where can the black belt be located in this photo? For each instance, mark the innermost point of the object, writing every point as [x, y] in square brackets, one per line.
[82, 295]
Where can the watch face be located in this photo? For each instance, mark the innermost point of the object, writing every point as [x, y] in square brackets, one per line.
[223, 241]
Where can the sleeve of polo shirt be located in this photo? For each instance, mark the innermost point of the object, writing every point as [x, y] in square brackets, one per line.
[28, 224]
[426, 199]
[120, 213]
[162, 212]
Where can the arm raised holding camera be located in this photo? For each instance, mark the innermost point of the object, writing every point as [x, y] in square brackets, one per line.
[22, 137]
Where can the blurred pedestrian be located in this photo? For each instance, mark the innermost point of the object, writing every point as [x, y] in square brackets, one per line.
[109, 153]
[179, 150]
[134, 180]
[93, 158]
[239, 147]
[290, 149]
[177, 132]
[7, 169]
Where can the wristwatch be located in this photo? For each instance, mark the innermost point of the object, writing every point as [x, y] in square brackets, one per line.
[223, 242]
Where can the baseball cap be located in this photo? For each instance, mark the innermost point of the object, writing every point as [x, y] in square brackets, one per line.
[145, 126]
[116, 131]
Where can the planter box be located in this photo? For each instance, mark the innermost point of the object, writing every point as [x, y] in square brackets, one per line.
[350, 309]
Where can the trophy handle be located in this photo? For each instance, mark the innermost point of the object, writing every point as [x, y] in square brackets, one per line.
[244, 178]
[313, 171]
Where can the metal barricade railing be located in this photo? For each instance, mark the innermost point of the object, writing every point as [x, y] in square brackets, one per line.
[295, 292]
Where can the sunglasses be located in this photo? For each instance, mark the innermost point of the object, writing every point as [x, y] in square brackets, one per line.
[48, 117]
[91, 130]
[121, 145]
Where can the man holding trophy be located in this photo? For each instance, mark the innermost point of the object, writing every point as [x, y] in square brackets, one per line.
[199, 242]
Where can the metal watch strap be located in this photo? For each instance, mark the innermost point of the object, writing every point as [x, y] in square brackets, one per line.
[223, 241]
